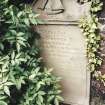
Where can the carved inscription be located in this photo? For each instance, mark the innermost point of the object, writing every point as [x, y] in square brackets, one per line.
[63, 48]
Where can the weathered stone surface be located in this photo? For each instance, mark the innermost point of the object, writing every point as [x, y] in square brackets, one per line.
[64, 49]
[71, 10]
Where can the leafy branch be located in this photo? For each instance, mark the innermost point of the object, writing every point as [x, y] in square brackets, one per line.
[21, 70]
[89, 26]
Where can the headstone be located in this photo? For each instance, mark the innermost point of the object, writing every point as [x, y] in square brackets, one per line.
[64, 47]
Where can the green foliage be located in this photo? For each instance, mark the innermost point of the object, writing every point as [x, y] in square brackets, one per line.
[90, 29]
[43, 90]
[20, 63]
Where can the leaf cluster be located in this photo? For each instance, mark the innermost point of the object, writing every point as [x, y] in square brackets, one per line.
[93, 38]
[21, 71]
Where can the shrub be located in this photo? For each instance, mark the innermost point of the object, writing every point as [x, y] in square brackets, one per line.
[23, 79]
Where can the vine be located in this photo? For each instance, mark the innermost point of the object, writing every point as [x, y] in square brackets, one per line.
[90, 29]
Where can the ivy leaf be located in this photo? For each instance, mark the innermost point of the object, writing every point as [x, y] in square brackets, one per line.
[5, 79]
[56, 102]
[40, 98]
[3, 103]
[50, 98]
[31, 77]
[20, 34]
[33, 21]
[26, 21]
[99, 62]
[1, 46]
[39, 84]
[41, 93]
[18, 46]
[36, 15]
[92, 67]
[19, 82]
[13, 55]
[6, 90]
[9, 84]
[19, 14]
[59, 98]
[2, 98]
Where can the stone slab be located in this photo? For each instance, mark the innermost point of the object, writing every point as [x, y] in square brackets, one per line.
[64, 50]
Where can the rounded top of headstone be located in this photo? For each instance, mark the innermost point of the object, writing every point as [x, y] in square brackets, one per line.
[61, 10]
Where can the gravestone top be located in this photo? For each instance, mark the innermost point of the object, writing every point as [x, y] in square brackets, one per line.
[61, 10]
